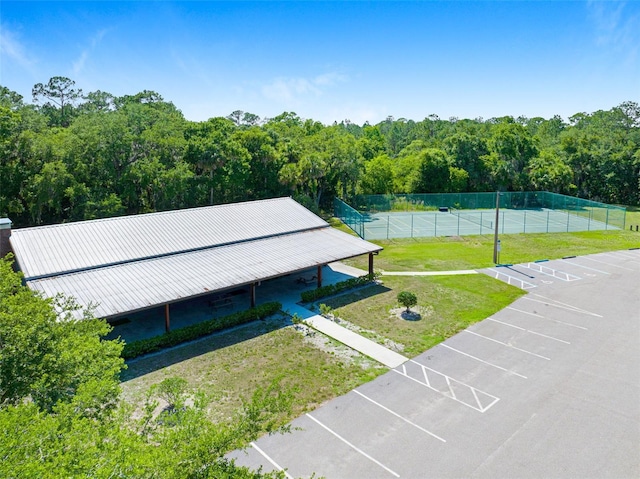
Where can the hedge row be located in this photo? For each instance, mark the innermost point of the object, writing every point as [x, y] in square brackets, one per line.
[331, 289]
[188, 333]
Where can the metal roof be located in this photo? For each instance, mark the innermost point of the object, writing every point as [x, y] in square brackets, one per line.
[146, 283]
[51, 250]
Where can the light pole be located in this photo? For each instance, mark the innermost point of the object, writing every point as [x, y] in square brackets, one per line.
[495, 236]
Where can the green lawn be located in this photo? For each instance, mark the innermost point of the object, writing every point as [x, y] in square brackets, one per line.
[473, 252]
[633, 216]
[448, 304]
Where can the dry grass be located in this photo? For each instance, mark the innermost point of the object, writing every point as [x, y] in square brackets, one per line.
[229, 367]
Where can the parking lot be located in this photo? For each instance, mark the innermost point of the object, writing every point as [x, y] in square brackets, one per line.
[547, 387]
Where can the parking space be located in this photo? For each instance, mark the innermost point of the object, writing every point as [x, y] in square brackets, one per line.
[547, 387]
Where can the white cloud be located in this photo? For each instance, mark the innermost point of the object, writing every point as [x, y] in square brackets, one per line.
[11, 48]
[79, 63]
[292, 91]
[614, 23]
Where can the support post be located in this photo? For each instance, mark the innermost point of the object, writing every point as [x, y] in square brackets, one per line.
[253, 295]
[319, 276]
[495, 236]
[167, 320]
[370, 264]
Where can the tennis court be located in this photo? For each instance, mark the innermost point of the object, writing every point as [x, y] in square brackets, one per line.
[522, 213]
[474, 222]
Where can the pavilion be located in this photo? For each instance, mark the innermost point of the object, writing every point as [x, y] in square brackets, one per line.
[131, 263]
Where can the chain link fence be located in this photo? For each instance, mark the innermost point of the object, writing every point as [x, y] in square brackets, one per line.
[449, 214]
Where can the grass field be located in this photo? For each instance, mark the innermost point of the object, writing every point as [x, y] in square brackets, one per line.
[473, 252]
[230, 366]
[448, 304]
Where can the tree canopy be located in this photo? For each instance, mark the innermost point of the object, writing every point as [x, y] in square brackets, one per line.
[61, 414]
[71, 156]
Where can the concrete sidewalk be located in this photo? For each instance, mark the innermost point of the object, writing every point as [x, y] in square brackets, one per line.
[428, 273]
[375, 351]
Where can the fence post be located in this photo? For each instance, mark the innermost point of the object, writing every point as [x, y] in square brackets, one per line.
[606, 223]
[568, 220]
[435, 225]
[388, 226]
[548, 220]
[458, 225]
[524, 222]
[412, 225]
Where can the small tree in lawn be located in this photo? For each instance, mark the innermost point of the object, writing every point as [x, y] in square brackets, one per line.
[407, 299]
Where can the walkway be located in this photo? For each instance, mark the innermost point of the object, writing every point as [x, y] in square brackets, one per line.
[369, 348]
[428, 273]
[375, 351]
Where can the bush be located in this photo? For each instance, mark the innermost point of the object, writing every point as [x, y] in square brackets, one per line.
[188, 333]
[331, 289]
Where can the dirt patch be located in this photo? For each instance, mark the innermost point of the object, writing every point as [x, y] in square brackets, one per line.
[334, 348]
[415, 313]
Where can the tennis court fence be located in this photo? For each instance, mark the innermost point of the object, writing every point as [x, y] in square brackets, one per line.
[445, 214]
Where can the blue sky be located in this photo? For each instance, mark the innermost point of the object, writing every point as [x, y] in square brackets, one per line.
[332, 61]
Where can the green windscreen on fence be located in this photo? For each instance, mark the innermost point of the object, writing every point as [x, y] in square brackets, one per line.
[439, 214]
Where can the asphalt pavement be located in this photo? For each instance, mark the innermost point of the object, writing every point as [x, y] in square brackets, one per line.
[548, 387]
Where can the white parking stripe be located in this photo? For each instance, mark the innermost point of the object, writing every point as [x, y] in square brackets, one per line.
[560, 304]
[399, 416]
[604, 262]
[523, 284]
[355, 448]
[554, 273]
[482, 361]
[528, 331]
[624, 254]
[547, 319]
[525, 312]
[450, 393]
[255, 446]
[585, 267]
[507, 345]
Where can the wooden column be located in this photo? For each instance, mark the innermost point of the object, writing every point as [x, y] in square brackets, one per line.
[252, 293]
[319, 275]
[371, 264]
[167, 321]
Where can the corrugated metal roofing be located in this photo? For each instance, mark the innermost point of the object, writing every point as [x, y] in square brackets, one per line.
[56, 249]
[146, 283]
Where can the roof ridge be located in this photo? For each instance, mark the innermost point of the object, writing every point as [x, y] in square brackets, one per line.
[153, 213]
[172, 253]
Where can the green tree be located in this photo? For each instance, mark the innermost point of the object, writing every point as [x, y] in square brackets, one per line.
[510, 150]
[46, 357]
[407, 299]
[549, 172]
[434, 174]
[377, 178]
[60, 95]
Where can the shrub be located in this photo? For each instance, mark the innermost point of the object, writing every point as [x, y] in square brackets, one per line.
[407, 299]
[188, 333]
[331, 289]
[325, 310]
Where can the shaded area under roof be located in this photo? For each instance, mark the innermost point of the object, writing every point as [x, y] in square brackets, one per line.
[148, 283]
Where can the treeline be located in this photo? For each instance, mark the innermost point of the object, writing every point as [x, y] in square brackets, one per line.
[71, 156]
